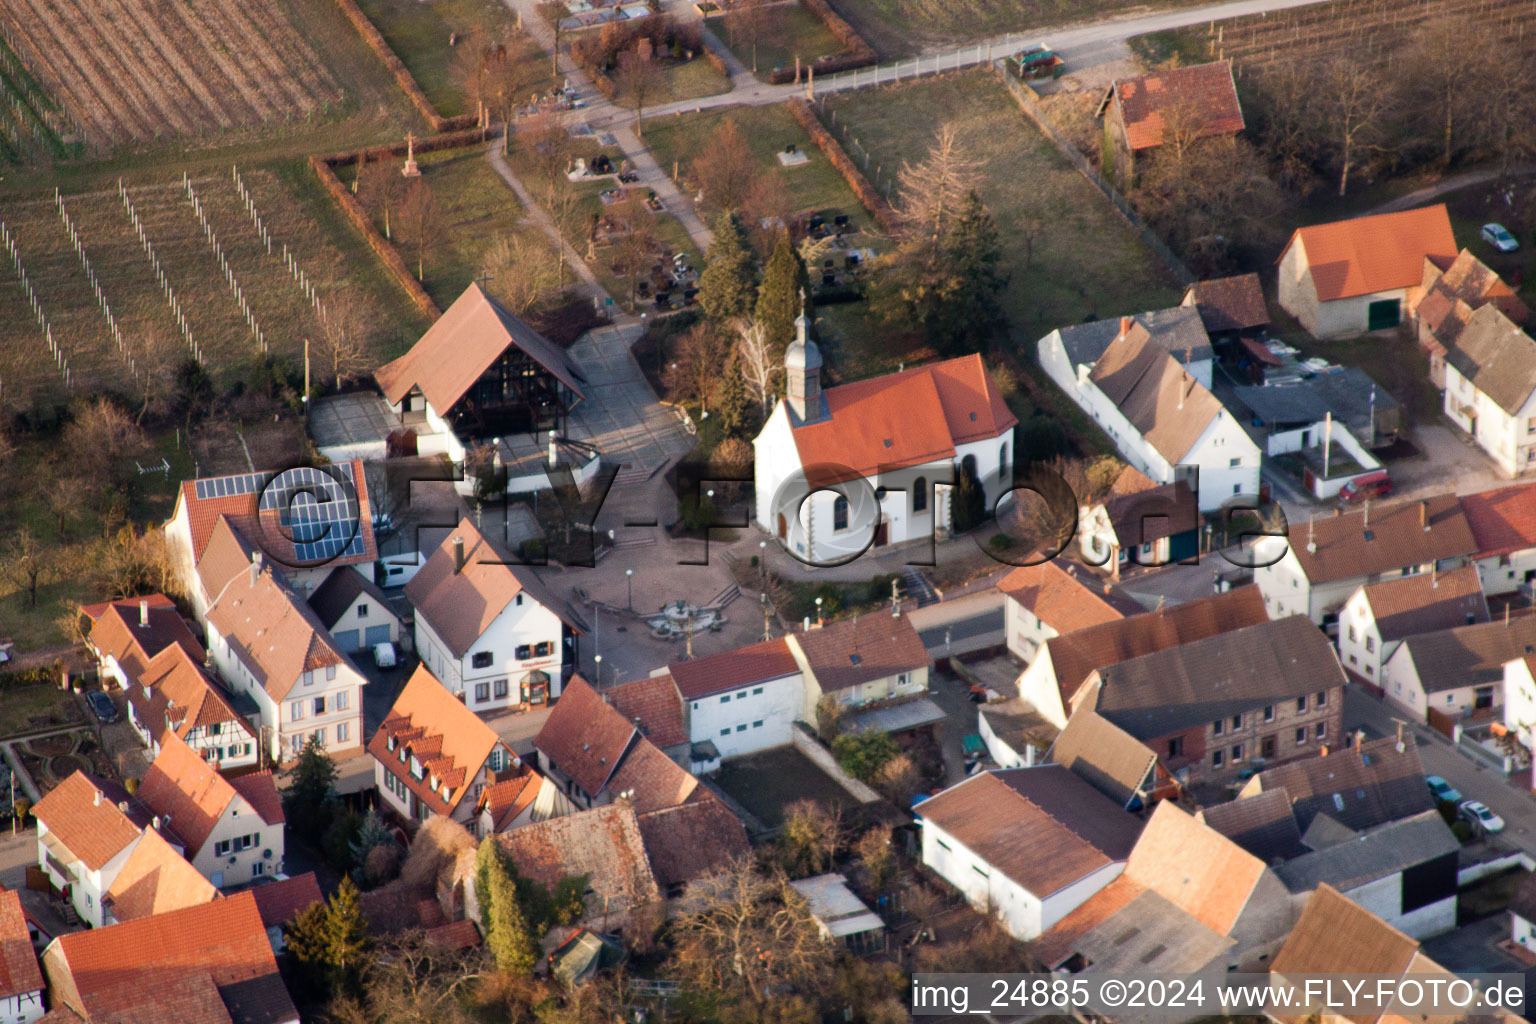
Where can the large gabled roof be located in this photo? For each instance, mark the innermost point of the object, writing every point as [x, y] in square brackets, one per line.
[653, 705]
[850, 652]
[1229, 303]
[1426, 601]
[730, 670]
[1104, 755]
[1379, 253]
[1472, 655]
[460, 605]
[273, 631]
[1503, 521]
[451, 742]
[1381, 538]
[603, 843]
[175, 692]
[85, 817]
[1360, 786]
[134, 630]
[471, 335]
[584, 737]
[1194, 867]
[1066, 596]
[156, 879]
[1335, 935]
[185, 791]
[1203, 93]
[335, 596]
[1168, 406]
[903, 419]
[1497, 356]
[19, 973]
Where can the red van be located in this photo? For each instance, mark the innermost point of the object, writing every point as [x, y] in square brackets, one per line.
[1371, 485]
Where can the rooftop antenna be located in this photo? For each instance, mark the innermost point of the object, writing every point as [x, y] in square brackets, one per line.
[895, 602]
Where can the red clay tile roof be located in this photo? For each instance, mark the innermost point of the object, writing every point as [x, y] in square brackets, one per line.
[1374, 254]
[652, 779]
[455, 935]
[903, 419]
[1497, 357]
[1453, 292]
[603, 843]
[1229, 303]
[460, 606]
[731, 670]
[19, 973]
[692, 840]
[1398, 539]
[654, 706]
[1076, 655]
[335, 597]
[509, 797]
[1065, 596]
[1056, 944]
[451, 741]
[1043, 827]
[1503, 521]
[1194, 867]
[100, 972]
[854, 651]
[260, 528]
[471, 335]
[260, 791]
[94, 832]
[282, 901]
[1426, 602]
[1170, 408]
[184, 790]
[1205, 91]
[274, 632]
[226, 555]
[156, 879]
[181, 696]
[117, 631]
[584, 737]
[1150, 514]
[1335, 935]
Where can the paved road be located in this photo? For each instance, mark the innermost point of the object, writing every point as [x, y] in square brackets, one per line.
[1440, 757]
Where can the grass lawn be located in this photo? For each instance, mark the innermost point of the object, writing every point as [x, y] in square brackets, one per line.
[693, 80]
[767, 783]
[1084, 263]
[24, 708]
[901, 28]
[418, 33]
[814, 186]
[789, 31]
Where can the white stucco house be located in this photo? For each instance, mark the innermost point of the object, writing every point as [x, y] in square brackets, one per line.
[1503, 523]
[1378, 618]
[1164, 422]
[739, 702]
[1322, 562]
[1490, 388]
[1520, 707]
[85, 836]
[488, 629]
[986, 836]
[872, 463]
[1139, 523]
[268, 645]
[1055, 597]
[231, 830]
[859, 663]
[1458, 672]
[1179, 331]
[21, 982]
[176, 695]
[356, 612]
[1353, 276]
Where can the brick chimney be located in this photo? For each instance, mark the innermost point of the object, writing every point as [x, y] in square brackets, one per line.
[1125, 327]
[143, 614]
[458, 555]
[1424, 516]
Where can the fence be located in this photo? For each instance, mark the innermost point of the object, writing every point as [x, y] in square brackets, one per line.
[905, 70]
[1030, 104]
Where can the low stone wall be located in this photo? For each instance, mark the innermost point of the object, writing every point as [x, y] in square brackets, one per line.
[807, 745]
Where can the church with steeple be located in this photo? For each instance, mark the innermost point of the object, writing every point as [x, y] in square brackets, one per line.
[871, 464]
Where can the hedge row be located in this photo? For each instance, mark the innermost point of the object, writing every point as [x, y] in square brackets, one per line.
[857, 53]
[376, 41]
[394, 264]
[873, 201]
[596, 51]
[42, 675]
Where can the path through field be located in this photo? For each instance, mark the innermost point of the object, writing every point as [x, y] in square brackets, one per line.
[134, 70]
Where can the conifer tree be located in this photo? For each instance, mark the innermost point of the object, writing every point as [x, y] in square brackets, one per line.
[731, 399]
[728, 285]
[779, 300]
[310, 791]
[347, 941]
[507, 932]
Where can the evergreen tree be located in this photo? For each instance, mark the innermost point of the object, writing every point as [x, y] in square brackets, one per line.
[968, 501]
[347, 941]
[731, 400]
[728, 285]
[779, 300]
[971, 313]
[507, 932]
[311, 793]
[305, 939]
[372, 832]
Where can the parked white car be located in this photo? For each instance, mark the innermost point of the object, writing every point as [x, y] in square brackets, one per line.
[384, 655]
[1498, 236]
[1476, 813]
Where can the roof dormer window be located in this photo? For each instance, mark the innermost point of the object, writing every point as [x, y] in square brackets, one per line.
[393, 742]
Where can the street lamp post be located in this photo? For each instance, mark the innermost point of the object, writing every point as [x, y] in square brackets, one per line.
[818, 613]
[597, 661]
[762, 563]
[629, 582]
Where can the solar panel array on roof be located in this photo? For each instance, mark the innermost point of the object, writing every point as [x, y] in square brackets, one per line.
[317, 509]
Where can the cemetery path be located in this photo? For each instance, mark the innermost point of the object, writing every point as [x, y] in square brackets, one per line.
[542, 220]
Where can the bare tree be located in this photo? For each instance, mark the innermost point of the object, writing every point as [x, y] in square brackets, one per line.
[752, 936]
[520, 272]
[638, 80]
[379, 188]
[1354, 105]
[510, 84]
[64, 495]
[471, 68]
[346, 336]
[930, 192]
[28, 563]
[696, 363]
[810, 838]
[634, 238]
[1441, 84]
[1509, 101]
[748, 22]
[100, 443]
[420, 215]
[725, 169]
[417, 981]
[157, 356]
[1287, 121]
[754, 351]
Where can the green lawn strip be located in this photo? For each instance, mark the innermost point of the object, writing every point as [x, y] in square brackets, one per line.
[1085, 261]
[816, 185]
[694, 79]
[419, 33]
[19, 705]
[790, 31]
